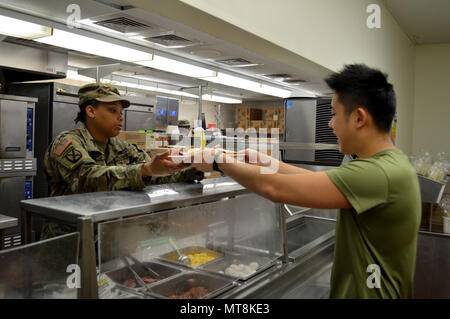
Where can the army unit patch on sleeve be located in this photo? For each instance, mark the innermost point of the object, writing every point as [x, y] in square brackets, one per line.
[62, 146]
[73, 155]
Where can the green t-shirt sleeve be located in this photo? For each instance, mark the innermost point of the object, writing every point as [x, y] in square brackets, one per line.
[362, 182]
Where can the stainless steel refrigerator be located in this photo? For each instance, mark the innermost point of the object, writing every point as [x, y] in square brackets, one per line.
[306, 121]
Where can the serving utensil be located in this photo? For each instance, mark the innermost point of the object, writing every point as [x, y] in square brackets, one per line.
[136, 261]
[135, 275]
[181, 258]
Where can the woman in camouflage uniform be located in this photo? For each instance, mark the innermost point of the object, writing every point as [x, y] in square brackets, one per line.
[91, 158]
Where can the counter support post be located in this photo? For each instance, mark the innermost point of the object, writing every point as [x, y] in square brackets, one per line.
[283, 233]
[88, 289]
[430, 221]
[26, 227]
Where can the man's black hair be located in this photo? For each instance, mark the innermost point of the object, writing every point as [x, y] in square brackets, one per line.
[81, 116]
[357, 85]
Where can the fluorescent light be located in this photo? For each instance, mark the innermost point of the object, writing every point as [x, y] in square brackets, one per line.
[22, 29]
[241, 83]
[73, 75]
[234, 81]
[173, 66]
[155, 89]
[271, 90]
[85, 44]
[220, 99]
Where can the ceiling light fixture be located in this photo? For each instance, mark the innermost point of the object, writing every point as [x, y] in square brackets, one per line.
[22, 29]
[73, 75]
[241, 83]
[89, 45]
[173, 66]
[220, 99]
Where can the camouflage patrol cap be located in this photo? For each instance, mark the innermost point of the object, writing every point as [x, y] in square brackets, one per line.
[184, 123]
[101, 92]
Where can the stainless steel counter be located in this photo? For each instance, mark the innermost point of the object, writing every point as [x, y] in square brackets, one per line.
[307, 277]
[290, 276]
[83, 210]
[101, 206]
[7, 221]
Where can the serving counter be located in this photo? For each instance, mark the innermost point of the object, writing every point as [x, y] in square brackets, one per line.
[213, 239]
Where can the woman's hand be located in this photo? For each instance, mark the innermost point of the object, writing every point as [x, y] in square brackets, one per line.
[162, 165]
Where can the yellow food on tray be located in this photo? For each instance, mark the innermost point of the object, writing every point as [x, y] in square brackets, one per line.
[200, 258]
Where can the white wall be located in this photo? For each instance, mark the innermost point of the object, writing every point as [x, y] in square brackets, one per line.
[432, 99]
[331, 33]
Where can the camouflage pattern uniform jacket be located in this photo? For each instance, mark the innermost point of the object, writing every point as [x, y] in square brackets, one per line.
[75, 164]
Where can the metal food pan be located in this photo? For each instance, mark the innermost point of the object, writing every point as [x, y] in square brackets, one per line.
[173, 256]
[119, 276]
[219, 266]
[181, 284]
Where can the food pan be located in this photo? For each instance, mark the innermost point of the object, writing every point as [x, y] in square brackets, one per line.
[191, 285]
[191, 251]
[123, 276]
[221, 265]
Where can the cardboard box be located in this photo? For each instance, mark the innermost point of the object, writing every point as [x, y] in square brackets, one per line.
[256, 115]
[257, 124]
[274, 114]
[138, 138]
[275, 124]
[250, 114]
[244, 124]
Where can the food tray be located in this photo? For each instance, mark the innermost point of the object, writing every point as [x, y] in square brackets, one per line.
[121, 275]
[220, 265]
[179, 285]
[173, 256]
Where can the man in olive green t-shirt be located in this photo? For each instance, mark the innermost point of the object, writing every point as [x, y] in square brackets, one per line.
[377, 194]
[378, 235]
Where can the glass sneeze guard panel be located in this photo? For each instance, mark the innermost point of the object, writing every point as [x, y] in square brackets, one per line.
[242, 234]
[39, 270]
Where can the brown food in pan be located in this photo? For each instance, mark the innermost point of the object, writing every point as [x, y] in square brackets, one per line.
[148, 279]
[193, 293]
[130, 283]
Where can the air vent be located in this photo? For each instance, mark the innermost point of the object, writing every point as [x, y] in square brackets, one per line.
[172, 40]
[277, 76]
[324, 134]
[123, 24]
[236, 62]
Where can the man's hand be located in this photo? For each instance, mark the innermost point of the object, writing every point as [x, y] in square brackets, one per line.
[203, 159]
[162, 165]
[255, 158]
